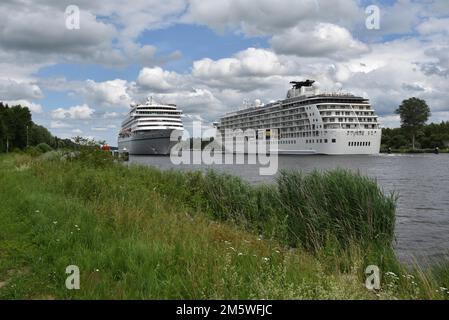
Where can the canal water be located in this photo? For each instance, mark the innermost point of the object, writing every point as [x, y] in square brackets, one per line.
[421, 180]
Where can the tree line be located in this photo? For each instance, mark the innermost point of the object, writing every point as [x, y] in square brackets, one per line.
[18, 131]
[414, 132]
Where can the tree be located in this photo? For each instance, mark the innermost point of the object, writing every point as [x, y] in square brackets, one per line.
[18, 119]
[3, 127]
[38, 134]
[414, 113]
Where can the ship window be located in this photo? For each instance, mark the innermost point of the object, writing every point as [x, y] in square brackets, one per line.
[334, 140]
[325, 140]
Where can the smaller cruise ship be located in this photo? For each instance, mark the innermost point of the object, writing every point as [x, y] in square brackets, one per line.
[307, 121]
[148, 128]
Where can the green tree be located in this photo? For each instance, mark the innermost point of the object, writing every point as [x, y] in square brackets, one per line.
[3, 128]
[38, 134]
[414, 113]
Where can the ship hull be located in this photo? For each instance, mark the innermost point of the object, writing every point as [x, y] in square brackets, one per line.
[335, 142]
[151, 142]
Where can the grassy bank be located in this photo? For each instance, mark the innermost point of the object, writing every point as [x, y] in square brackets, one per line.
[142, 233]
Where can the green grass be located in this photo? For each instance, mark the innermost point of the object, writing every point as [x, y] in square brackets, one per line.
[141, 233]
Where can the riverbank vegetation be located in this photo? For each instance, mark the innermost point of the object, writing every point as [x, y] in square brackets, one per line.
[427, 138]
[414, 136]
[138, 232]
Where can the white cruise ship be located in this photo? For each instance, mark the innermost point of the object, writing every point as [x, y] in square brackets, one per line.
[148, 127]
[308, 122]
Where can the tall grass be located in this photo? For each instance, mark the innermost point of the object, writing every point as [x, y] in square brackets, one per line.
[307, 210]
[138, 232]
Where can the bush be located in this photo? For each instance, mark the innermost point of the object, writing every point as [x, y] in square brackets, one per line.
[43, 147]
[93, 156]
[33, 151]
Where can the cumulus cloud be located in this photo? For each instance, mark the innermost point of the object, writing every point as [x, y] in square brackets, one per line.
[12, 89]
[434, 25]
[82, 112]
[158, 80]
[250, 62]
[266, 17]
[324, 40]
[113, 93]
[59, 125]
[111, 115]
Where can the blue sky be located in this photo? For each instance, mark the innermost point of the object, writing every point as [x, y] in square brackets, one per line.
[208, 57]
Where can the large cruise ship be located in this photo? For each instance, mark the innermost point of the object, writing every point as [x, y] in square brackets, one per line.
[148, 127]
[308, 122]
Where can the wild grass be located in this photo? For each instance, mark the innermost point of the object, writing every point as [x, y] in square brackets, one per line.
[142, 233]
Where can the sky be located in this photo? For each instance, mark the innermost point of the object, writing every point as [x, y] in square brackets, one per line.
[209, 56]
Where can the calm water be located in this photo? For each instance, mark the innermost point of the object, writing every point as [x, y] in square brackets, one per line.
[422, 181]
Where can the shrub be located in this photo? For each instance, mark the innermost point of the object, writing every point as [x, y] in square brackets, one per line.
[33, 151]
[43, 147]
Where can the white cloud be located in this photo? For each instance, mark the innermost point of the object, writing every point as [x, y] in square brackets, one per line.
[324, 40]
[113, 93]
[434, 25]
[59, 113]
[267, 17]
[82, 112]
[99, 129]
[201, 101]
[158, 80]
[59, 125]
[12, 89]
[111, 115]
[250, 62]
[33, 36]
